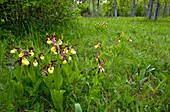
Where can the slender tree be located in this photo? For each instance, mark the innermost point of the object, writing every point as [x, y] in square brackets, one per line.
[150, 9]
[166, 8]
[115, 8]
[167, 11]
[133, 8]
[75, 4]
[145, 10]
[157, 9]
[98, 8]
[93, 13]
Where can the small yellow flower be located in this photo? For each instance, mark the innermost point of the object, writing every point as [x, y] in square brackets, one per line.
[60, 42]
[97, 46]
[53, 49]
[25, 61]
[66, 49]
[49, 41]
[41, 56]
[65, 61]
[130, 40]
[13, 51]
[51, 70]
[69, 58]
[97, 59]
[21, 54]
[73, 51]
[101, 70]
[35, 63]
[32, 53]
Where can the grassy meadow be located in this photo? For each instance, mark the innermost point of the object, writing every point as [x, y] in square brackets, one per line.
[116, 65]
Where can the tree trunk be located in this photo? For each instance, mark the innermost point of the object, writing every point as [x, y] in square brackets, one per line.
[150, 9]
[167, 11]
[75, 4]
[115, 8]
[145, 13]
[88, 8]
[108, 15]
[157, 9]
[93, 14]
[98, 8]
[133, 8]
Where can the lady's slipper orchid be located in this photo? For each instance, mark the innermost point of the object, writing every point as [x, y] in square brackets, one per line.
[31, 51]
[73, 51]
[41, 56]
[54, 39]
[129, 40]
[69, 58]
[54, 49]
[66, 48]
[13, 51]
[60, 41]
[101, 70]
[98, 45]
[24, 61]
[44, 72]
[50, 69]
[21, 54]
[64, 61]
[49, 41]
[35, 63]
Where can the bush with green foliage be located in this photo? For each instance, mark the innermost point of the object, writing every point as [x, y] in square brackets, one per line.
[21, 16]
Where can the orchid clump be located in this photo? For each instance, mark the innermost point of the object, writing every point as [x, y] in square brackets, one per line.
[101, 24]
[98, 45]
[59, 52]
[121, 37]
[98, 58]
[100, 64]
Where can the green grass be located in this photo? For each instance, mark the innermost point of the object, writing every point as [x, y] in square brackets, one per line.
[136, 73]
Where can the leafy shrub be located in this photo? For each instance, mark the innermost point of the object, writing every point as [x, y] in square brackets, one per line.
[21, 16]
